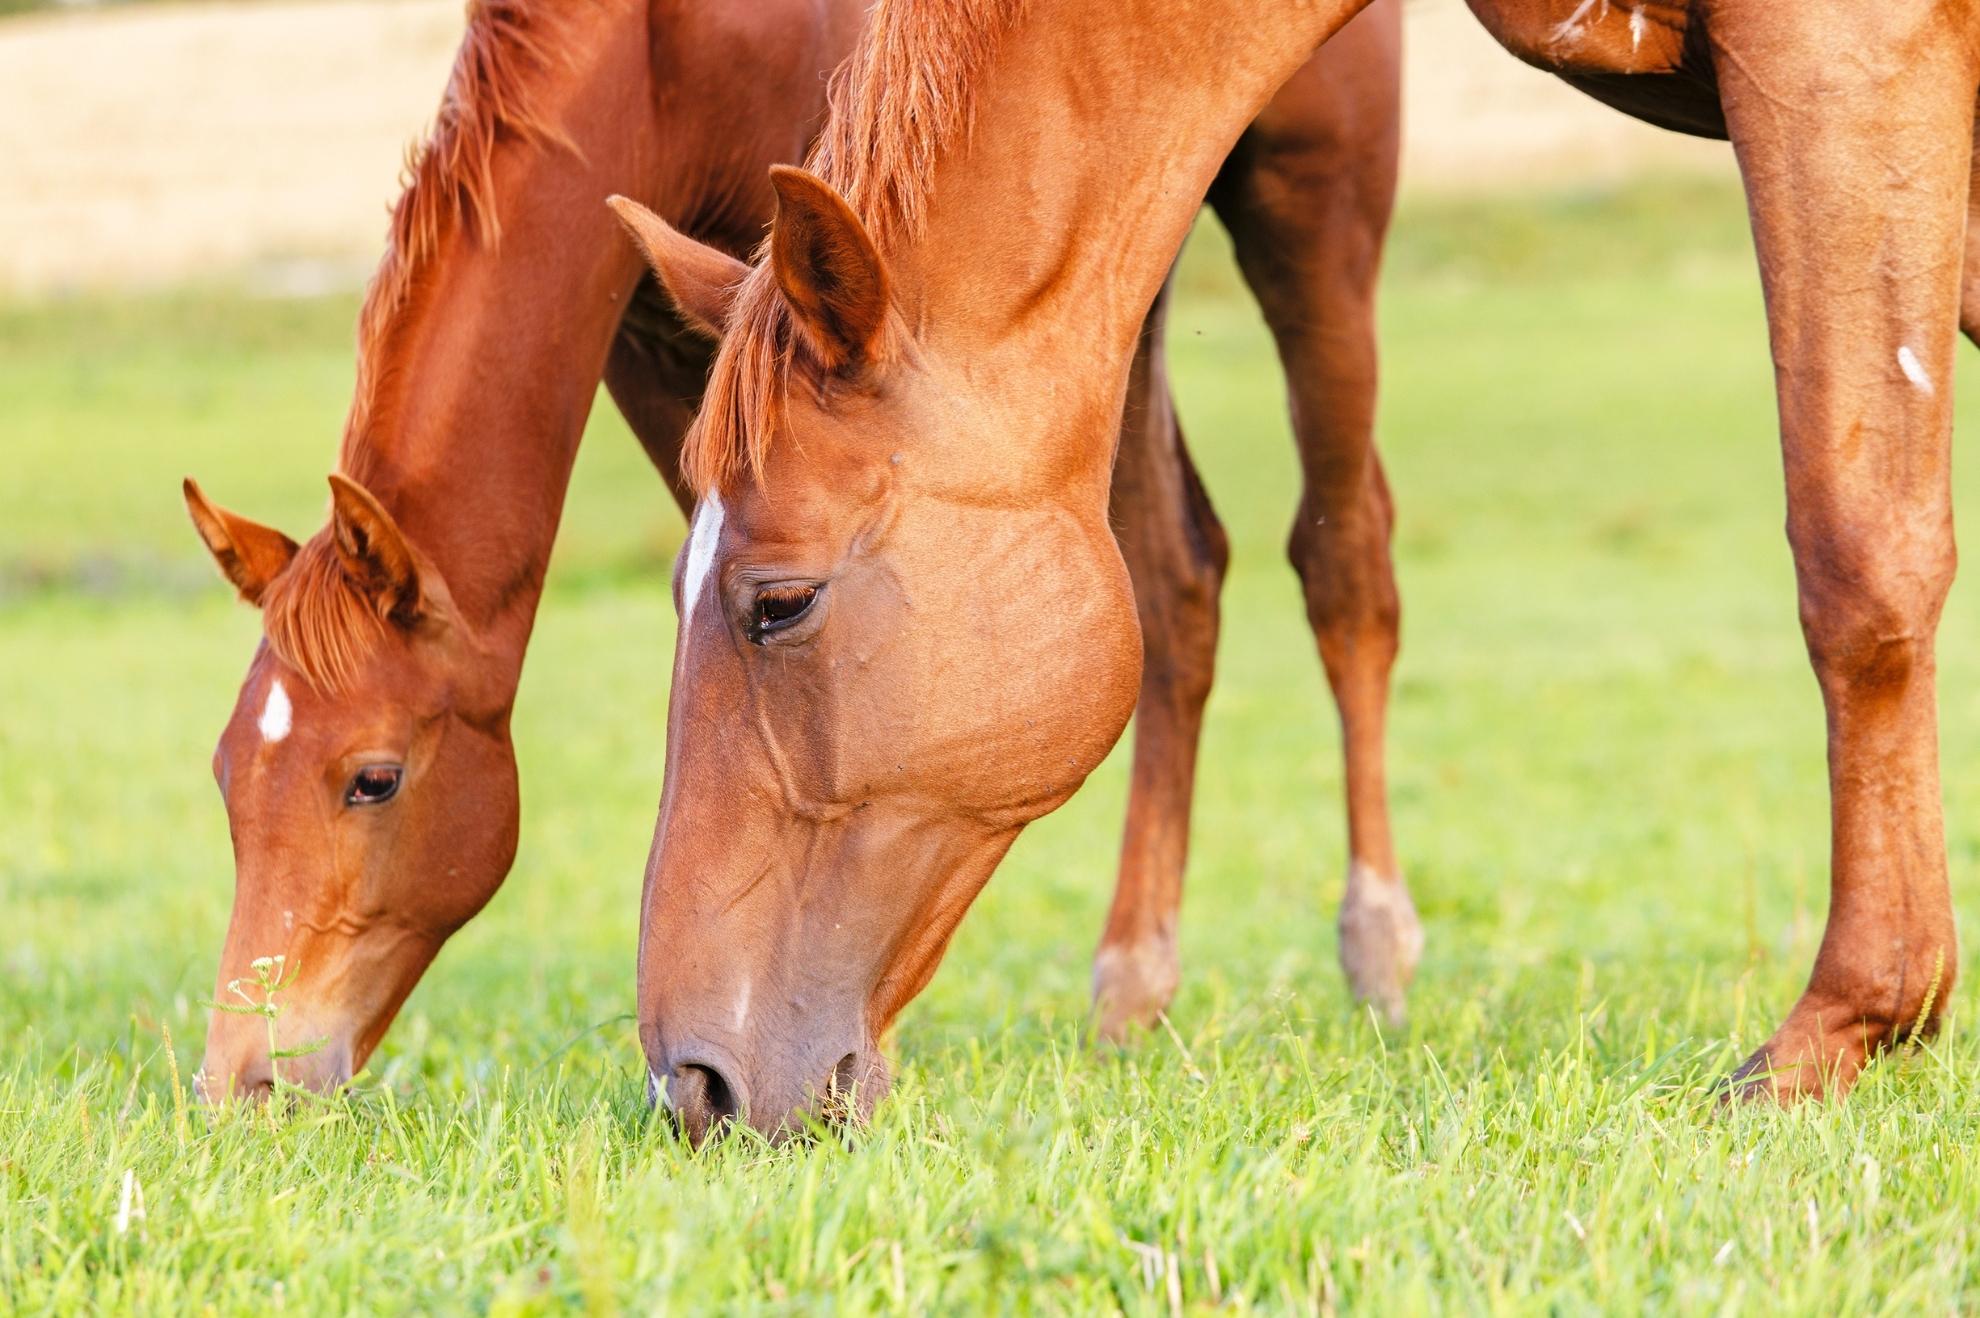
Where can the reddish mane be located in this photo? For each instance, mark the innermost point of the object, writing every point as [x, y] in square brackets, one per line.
[493, 95]
[316, 619]
[903, 97]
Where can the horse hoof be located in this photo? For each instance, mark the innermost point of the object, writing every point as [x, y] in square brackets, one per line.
[1381, 942]
[1809, 1058]
[1764, 1078]
[1132, 986]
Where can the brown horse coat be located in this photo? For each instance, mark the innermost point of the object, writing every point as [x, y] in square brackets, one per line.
[906, 629]
[382, 815]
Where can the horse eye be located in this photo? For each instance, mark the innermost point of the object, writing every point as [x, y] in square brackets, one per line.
[374, 784]
[778, 607]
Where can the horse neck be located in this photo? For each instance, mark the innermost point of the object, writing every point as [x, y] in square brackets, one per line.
[482, 375]
[1097, 129]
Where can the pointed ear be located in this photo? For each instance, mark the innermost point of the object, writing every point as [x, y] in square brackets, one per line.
[374, 551]
[701, 280]
[829, 270]
[249, 554]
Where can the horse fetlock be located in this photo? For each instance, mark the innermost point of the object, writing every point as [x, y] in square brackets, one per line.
[1933, 992]
[1381, 940]
[1133, 984]
[1893, 999]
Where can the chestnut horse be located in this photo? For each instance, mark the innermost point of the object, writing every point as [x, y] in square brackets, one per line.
[906, 629]
[367, 769]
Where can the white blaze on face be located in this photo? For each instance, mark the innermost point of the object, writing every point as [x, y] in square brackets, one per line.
[701, 544]
[1914, 370]
[277, 714]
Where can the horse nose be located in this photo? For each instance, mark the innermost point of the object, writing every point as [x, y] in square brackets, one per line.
[237, 1067]
[219, 1082]
[702, 1098]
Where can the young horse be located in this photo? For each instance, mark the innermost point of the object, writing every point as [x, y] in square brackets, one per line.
[367, 770]
[906, 631]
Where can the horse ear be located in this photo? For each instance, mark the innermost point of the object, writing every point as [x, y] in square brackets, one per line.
[829, 270]
[249, 554]
[374, 551]
[701, 280]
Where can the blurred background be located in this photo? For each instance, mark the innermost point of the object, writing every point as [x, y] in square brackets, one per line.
[148, 144]
[176, 172]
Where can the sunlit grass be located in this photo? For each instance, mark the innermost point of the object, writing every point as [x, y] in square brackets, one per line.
[1608, 793]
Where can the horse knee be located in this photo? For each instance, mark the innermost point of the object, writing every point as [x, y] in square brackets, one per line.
[1869, 618]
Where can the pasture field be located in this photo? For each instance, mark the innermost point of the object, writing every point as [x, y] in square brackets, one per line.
[1608, 787]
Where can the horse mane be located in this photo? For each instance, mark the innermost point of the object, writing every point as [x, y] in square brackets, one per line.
[316, 618]
[903, 99]
[494, 94]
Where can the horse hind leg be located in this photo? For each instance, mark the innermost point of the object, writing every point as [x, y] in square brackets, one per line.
[1176, 553]
[1862, 301]
[1307, 198]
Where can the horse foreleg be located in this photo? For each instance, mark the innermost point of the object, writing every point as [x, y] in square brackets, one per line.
[1969, 293]
[1176, 553]
[1307, 197]
[1853, 129]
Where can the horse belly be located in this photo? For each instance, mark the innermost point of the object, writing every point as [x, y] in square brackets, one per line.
[1683, 102]
[1645, 58]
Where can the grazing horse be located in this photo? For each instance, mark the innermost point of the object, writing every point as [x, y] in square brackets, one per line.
[906, 630]
[367, 769]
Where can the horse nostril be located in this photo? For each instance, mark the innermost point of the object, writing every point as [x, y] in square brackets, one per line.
[702, 1099]
[845, 1093]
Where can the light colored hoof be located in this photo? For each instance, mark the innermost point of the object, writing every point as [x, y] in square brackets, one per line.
[1132, 985]
[1381, 942]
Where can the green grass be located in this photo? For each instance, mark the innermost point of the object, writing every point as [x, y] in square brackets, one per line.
[1608, 789]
